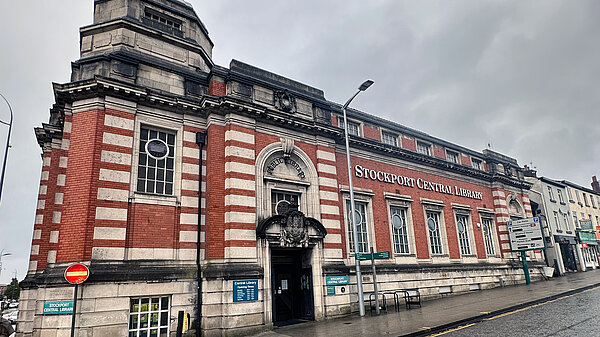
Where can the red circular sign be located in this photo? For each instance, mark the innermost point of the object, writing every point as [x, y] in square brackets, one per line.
[77, 273]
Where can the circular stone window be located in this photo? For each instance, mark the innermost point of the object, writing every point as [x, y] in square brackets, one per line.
[157, 148]
[397, 221]
[431, 224]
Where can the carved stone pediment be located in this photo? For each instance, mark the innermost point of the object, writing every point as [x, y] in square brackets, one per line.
[292, 229]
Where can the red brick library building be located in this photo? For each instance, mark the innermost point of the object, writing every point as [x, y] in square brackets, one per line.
[170, 176]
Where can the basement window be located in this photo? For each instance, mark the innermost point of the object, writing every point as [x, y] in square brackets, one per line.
[149, 317]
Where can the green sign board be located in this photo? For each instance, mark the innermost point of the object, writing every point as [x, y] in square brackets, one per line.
[586, 224]
[587, 236]
[58, 307]
[376, 256]
[330, 290]
[337, 280]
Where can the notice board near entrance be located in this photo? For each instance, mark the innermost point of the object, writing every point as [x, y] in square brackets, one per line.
[245, 290]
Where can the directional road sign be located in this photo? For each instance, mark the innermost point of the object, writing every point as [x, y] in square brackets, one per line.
[525, 234]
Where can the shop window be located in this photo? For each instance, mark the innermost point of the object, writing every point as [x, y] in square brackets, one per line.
[477, 164]
[551, 194]
[488, 236]
[399, 229]
[389, 138]
[156, 162]
[283, 202]
[452, 156]
[435, 234]
[424, 148]
[360, 217]
[560, 196]
[149, 317]
[462, 227]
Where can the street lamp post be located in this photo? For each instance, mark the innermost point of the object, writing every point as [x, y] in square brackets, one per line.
[7, 144]
[2, 254]
[361, 301]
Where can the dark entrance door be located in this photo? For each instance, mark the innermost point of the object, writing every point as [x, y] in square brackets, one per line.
[292, 288]
[568, 257]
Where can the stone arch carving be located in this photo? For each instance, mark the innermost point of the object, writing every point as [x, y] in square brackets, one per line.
[515, 206]
[285, 164]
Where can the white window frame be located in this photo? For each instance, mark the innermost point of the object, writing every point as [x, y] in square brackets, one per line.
[452, 154]
[365, 199]
[151, 121]
[391, 136]
[466, 236]
[350, 125]
[424, 145]
[551, 194]
[149, 314]
[587, 204]
[479, 165]
[556, 221]
[492, 235]
[560, 196]
[566, 218]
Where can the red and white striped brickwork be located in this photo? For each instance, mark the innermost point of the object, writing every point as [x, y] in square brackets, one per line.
[90, 171]
[329, 200]
[240, 193]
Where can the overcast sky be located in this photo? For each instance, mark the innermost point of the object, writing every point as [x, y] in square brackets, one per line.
[520, 75]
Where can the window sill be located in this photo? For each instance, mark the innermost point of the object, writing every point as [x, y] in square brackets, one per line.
[552, 200]
[569, 232]
[571, 201]
[439, 255]
[404, 255]
[563, 203]
[559, 231]
[154, 199]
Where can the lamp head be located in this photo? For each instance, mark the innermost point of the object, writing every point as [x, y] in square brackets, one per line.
[366, 84]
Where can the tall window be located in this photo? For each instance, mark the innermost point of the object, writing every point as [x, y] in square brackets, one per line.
[361, 225]
[156, 162]
[149, 317]
[435, 234]
[283, 202]
[585, 199]
[575, 219]
[477, 164]
[452, 156]
[592, 201]
[560, 196]
[569, 193]
[424, 148]
[566, 219]
[462, 226]
[488, 236]
[556, 220]
[389, 138]
[400, 230]
[577, 195]
[550, 193]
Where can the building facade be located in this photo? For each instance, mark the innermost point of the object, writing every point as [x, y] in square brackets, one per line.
[223, 192]
[584, 204]
[549, 202]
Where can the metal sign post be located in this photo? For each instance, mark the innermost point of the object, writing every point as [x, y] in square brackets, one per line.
[526, 234]
[375, 282]
[76, 274]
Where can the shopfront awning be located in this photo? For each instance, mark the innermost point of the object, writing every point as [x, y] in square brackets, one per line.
[565, 239]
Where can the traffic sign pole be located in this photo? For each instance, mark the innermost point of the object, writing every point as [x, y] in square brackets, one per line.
[525, 267]
[375, 282]
[74, 310]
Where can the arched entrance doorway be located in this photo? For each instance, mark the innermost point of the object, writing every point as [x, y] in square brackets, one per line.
[292, 240]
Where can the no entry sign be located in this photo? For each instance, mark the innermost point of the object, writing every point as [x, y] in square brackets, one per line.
[77, 273]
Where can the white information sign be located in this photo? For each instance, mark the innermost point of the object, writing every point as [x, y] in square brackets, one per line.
[525, 234]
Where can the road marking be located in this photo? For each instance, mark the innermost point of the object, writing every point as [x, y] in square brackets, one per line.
[452, 330]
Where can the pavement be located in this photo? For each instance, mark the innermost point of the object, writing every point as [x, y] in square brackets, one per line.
[445, 313]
